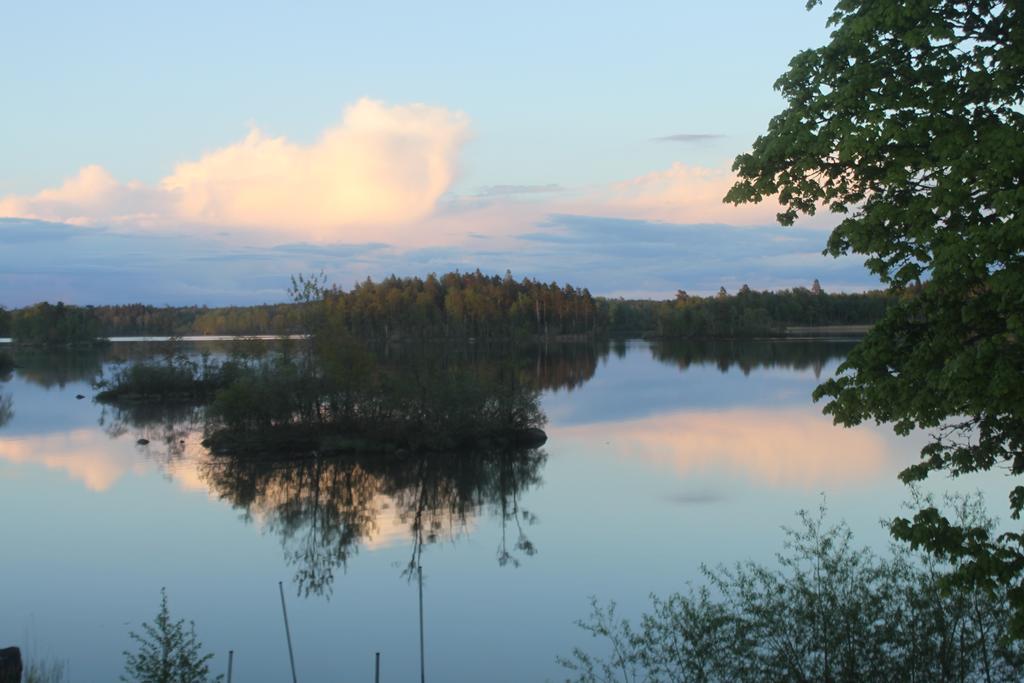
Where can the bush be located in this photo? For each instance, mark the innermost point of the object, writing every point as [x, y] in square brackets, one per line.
[829, 612]
[177, 377]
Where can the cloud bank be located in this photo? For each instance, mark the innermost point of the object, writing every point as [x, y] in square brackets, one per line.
[684, 194]
[611, 256]
[382, 165]
[373, 196]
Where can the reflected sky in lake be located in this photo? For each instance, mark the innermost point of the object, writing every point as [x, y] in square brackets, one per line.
[659, 458]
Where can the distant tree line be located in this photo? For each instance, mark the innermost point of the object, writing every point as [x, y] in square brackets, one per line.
[464, 305]
[748, 313]
[458, 306]
[52, 324]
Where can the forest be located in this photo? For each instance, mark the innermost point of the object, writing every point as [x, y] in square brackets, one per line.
[748, 313]
[459, 306]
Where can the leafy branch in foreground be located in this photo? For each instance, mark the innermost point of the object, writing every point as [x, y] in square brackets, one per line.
[169, 652]
[829, 612]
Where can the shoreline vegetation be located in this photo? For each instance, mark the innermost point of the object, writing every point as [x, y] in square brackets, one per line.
[460, 306]
[827, 610]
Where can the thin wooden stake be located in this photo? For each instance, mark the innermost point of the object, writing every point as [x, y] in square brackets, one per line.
[423, 669]
[376, 670]
[231, 660]
[287, 632]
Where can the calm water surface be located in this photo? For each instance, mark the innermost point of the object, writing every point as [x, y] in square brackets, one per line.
[659, 458]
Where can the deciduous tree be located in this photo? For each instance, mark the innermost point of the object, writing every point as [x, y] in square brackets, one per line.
[909, 125]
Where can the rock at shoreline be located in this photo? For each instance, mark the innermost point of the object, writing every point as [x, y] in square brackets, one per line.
[79, 396]
[142, 442]
[10, 665]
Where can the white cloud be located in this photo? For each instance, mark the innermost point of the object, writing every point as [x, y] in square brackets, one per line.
[384, 174]
[684, 194]
[93, 197]
[382, 165]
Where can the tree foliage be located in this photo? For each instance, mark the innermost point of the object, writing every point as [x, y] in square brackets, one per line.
[908, 123]
[748, 313]
[168, 652]
[830, 611]
[46, 324]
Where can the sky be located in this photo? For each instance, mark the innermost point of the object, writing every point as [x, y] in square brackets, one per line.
[176, 153]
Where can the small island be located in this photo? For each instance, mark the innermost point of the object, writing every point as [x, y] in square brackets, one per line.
[340, 399]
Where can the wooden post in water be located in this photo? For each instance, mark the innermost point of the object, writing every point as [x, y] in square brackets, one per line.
[423, 670]
[231, 660]
[376, 670]
[287, 632]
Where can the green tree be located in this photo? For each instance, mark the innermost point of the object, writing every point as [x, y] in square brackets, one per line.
[169, 652]
[908, 124]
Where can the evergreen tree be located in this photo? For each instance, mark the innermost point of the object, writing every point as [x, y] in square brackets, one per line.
[168, 652]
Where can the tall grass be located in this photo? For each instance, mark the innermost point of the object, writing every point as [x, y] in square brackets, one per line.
[45, 671]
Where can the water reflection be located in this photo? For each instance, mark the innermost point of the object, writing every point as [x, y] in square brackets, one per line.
[551, 366]
[6, 409]
[166, 427]
[778, 447]
[658, 450]
[325, 508]
[51, 368]
[84, 454]
[747, 354]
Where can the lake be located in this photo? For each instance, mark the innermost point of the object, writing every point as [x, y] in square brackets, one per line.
[659, 457]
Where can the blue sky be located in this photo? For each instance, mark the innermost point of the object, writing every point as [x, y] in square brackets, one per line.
[570, 141]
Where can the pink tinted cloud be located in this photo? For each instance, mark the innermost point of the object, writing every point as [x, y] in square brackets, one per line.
[381, 166]
[380, 175]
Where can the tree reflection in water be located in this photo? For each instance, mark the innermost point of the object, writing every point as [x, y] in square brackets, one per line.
[752, 354]
[6, 409]
[324, 508]
[169, 425]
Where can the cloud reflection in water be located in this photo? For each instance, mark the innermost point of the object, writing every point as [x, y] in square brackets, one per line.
[787, 447]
